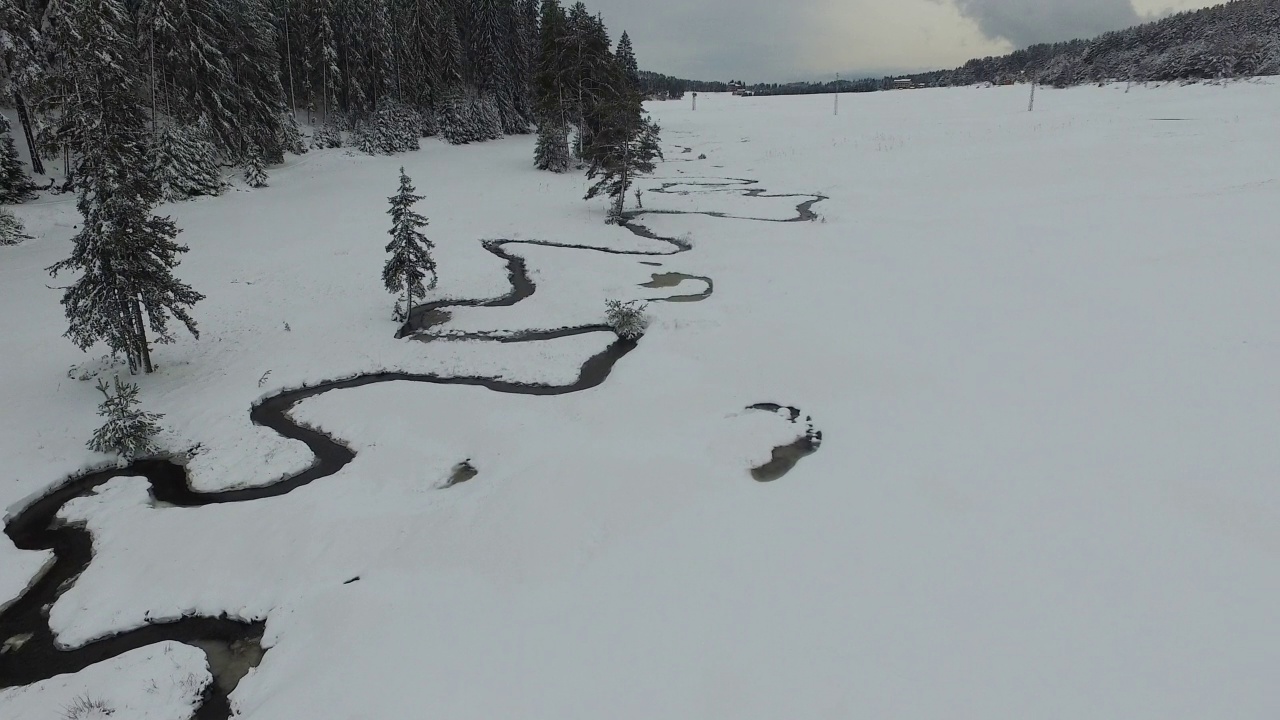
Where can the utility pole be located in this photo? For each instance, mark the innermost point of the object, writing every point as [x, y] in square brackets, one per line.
[1031, 106]
[837, 110]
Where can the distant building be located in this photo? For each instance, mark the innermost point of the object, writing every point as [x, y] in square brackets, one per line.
[902, 84]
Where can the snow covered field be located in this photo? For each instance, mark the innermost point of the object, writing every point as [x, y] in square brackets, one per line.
[1041, 348]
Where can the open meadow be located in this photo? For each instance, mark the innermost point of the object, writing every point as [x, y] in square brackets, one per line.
[1007, 379]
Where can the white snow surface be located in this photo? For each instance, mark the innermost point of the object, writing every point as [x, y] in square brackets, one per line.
[158, 682]
[1041, 348]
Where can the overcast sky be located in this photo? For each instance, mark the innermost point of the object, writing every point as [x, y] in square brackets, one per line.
[784, 40]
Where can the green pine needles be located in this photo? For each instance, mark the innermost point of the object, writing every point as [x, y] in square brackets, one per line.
[410, 262]
[128, 430]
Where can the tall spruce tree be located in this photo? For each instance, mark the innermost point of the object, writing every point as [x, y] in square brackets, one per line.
[625, 141]
[627, 65]
[524, 50]
[492, 26]
[590, 71]
[551, 94]
[123, 253]
[21, 65]
[258, 95]
[410, 260]
[320, 53]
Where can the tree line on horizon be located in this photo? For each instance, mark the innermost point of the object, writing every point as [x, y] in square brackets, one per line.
[1240, 38]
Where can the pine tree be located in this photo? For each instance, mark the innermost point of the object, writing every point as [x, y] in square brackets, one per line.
[11, 230]
[625, 142]
[128, 430]
[410, 251]
[630, 69]
[258, 97]
[322, 56]
[524, 50]
[552, 150]
[494, 22]
[590, 74]
[123, 254]
[20, 64]
[15, 184]
[255, 171]
[186, 163]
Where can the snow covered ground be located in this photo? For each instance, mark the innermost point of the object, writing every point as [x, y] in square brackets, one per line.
[158, 682]
[1040, 346]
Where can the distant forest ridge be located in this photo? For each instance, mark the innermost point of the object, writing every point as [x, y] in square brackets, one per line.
[1240, 38]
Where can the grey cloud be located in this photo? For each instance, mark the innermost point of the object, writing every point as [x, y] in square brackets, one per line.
[781, 40]
[712, 39]
[1027, 22]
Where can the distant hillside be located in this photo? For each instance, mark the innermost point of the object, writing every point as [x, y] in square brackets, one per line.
[1238, 39]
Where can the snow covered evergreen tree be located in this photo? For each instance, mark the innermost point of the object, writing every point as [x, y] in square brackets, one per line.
[124, 255]
[410, 262]
[326, 136]
[552, 150]
[625, 141]
[321, 55]
[11, 230]
[128, 431]
[551, 96]
[393, 128]
[15, 184]
[524, 43]
[186, 163]
[21, 66]
[255, 170]
[590, 68]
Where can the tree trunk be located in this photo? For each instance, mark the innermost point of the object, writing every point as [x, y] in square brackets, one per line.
[152, 53]
[143, 348]
[288, 60]
[37, 166]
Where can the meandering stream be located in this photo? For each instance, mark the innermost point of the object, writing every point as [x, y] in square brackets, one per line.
[30, 651]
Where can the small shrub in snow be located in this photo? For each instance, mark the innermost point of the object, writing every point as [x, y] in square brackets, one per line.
[11, 230]
[628, 319]
[128, 430]
[84, 708]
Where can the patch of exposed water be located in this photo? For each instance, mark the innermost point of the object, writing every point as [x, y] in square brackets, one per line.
[672, 279]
